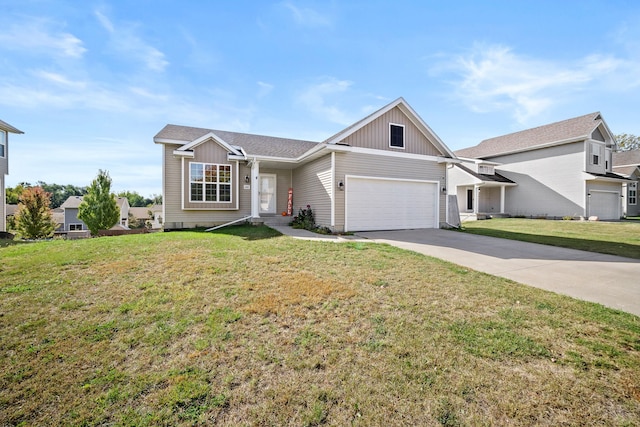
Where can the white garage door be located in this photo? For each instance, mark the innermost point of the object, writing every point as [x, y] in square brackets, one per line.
[390, 204]
[604, 205]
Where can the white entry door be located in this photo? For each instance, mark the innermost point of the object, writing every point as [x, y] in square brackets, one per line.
[267, 193]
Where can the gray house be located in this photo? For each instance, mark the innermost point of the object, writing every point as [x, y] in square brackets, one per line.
[560, 169]
[5, 130]
[73, 223]
[627, 164]
[387, 171]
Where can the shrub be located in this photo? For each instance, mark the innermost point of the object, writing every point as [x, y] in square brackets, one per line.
[304, 219]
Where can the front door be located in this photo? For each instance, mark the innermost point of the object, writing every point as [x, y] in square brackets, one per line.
[267, 193]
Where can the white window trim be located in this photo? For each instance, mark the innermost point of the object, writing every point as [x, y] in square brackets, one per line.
[3, 144]
[633, 186]
[73, 227]
[404, 142]
[217, 201]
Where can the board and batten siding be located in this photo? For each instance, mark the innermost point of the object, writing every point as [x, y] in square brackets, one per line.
[371, 165]
[550, 181]
[312, 185]
[376, 135]
[176, 217]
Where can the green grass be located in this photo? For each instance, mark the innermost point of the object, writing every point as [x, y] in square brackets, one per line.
[614, 238]
[246, 327]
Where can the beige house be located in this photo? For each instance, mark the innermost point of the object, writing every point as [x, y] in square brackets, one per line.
[627, 164]
[557, 170]
[387, 171]
[73, 224]
[5, 130]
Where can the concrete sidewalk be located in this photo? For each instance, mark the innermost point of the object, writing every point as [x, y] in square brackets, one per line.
[606, 279]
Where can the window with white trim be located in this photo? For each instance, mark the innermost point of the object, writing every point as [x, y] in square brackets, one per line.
[75, 227]
[632, 193]
[486, 170]
[396, 136]
[209, 182]
[3, 143]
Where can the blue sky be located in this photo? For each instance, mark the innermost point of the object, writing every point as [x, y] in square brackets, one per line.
[91, 82]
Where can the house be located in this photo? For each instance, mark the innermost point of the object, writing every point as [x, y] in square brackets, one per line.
[557, 170]
[5, 130]
[151, 215]
[627, 164]
[387, 171]
[73, 223]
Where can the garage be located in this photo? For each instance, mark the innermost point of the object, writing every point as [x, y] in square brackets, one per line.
[604, 204]
[390, 204]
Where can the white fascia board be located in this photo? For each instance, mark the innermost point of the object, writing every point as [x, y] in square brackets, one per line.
[213, 137]
[477, 161]
[424, 127]
[391, 154]
[362, 123]
[179, 153]
[169, 141]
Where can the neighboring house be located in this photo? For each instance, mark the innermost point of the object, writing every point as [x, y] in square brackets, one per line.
[557, 170]
[73, 223]
[627, 164]
[5, 130]
[387, 171]
[151, 215]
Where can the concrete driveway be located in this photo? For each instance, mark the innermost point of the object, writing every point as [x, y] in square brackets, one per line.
[609, 280]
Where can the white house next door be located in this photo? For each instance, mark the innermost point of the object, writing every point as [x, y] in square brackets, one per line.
[267, 193]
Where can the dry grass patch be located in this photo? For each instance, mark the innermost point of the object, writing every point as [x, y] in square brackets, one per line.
[249, 328]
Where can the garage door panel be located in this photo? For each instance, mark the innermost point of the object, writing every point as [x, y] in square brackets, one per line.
[380, 204]
[604, 205]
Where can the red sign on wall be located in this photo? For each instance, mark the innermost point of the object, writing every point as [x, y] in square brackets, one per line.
[290, 202]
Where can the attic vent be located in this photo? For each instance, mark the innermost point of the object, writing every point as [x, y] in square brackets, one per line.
[598, 117]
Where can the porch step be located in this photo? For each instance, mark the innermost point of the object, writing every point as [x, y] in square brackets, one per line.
[276, 220]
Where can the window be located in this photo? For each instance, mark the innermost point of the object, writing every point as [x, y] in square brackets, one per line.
[396, 136]
[75, 227]
[209, 182]
[595, 159]
[3, 143]
[486, 170]
[469, 199]
[632, 193]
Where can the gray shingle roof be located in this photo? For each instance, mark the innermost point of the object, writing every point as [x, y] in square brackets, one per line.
[575, 128]
[626, 158]
[74, 201]
[625, 170]
[258, 145]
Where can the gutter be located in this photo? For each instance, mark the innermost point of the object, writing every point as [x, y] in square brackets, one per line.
[228, 223]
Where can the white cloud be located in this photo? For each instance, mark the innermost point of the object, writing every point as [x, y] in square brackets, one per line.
[494, 78]
[264, 89]
[125, 41]
[37, 36]
[315, 99]
[307, 17]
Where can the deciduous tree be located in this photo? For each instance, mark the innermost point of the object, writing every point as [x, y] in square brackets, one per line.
[627, 142]
[99, 210]
[34, 219]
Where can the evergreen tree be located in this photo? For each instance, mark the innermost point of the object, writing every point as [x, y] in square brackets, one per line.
[34, 219]
[99, 210]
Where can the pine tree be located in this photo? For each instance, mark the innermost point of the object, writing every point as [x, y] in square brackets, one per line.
[98, 209]
[34, 219]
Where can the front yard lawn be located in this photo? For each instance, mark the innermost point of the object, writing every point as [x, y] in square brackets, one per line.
[247, 327]
[614, 238]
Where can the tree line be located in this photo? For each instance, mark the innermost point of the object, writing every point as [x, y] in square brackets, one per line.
[59, 193]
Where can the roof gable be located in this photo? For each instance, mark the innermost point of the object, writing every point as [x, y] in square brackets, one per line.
[235, 142]
[408, 112]
[565, 131]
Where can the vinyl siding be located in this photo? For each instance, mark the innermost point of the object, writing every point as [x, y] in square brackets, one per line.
[550, 181]
[4, 162]
[489, 200]
[176, 217]
[3, 207]
[312, 186]
[385, 167]
[376, 135]
[210, 152]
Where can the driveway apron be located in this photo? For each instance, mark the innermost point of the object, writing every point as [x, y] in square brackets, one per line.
[606, 279]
